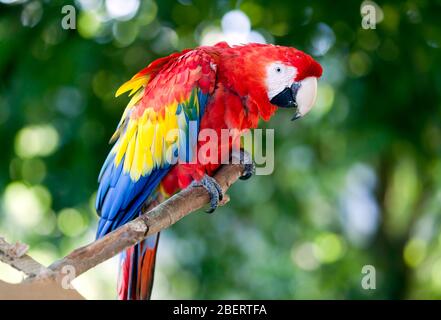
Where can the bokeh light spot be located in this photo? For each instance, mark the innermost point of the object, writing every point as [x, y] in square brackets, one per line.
[322, 40]
[90, 4]
[26, 206]
[89, 24]
[31, 14]
[236, 29]
[122, 9]
[414, 252]
[125, 33]
[71, 222]
[436, 274]
[303, 256]
[36, 140]
[69, 101]
[359, 64]
[236, 21]
[325, 99]
[147, 12]
[328, 247]
[9, 274]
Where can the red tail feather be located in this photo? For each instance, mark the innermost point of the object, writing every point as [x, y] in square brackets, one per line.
[137, 270]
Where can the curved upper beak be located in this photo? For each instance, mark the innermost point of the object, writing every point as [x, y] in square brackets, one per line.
[301, 96]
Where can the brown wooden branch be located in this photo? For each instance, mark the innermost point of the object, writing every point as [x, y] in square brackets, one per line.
[160, 217]
[15, 256]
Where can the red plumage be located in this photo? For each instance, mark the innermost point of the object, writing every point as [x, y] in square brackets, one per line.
[235, 81]
[240, 97]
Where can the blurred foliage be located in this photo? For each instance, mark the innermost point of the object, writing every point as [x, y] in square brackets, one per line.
[357, 182]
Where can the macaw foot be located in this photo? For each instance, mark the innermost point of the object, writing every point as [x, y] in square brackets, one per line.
[249, 167]
[214, 191]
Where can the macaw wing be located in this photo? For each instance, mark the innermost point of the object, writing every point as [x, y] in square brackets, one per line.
[160, 123]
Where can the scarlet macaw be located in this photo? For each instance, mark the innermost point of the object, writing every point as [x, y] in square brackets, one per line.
[218, 87]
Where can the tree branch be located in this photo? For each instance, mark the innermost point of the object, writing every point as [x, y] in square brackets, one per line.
[15, 256]
[150, 222]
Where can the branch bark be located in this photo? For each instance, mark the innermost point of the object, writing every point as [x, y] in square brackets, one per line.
[160, 217]
[15, 256]
[50, 282]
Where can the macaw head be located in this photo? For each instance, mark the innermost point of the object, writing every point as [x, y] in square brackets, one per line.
[275, 77]
[291, 80]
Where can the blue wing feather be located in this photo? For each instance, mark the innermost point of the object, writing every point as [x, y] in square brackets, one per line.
[119, 198]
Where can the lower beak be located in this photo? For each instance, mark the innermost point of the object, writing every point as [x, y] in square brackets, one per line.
[296, 116]
[301, 96]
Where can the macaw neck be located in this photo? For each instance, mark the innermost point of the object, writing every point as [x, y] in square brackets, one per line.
[240, 78]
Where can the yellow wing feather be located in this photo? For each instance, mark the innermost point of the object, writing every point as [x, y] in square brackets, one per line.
[133, 85]
[144, 143]
[149, 140]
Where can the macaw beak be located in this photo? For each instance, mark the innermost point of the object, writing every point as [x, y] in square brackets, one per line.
[300, 95]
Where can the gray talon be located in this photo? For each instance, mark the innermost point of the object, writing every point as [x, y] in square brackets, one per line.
[245, 158]
[248, 171]
[214, 191]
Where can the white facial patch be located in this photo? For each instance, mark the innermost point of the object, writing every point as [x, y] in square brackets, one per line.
[278, 77]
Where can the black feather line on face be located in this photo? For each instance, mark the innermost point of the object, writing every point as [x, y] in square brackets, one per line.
[287, 97]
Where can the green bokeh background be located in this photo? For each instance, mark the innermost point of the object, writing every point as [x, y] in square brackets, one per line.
[356, 182]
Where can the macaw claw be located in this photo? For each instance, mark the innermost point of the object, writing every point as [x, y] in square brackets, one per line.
[214, 191]
[249, 167]
[248, 171]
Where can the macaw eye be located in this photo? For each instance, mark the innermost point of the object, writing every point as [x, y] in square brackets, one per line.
[278, 77]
